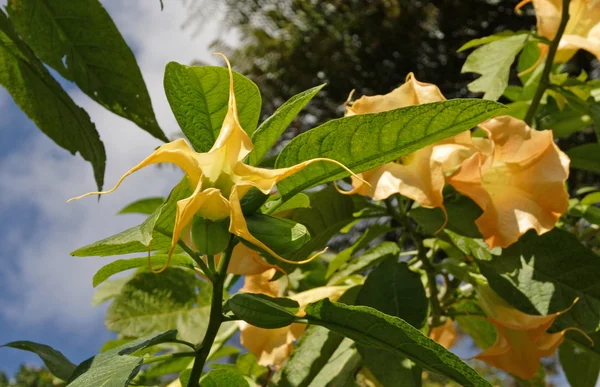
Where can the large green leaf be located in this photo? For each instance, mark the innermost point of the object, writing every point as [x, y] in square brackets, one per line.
[545, 274]
[392, 288]
[46, 103]
[116, 367]
[151, 303]
[79, 40]
[365, 141]
[370, 258]
[369, 327]
[493, 62]
[223, 377]
[143, 206]
[154, 234]
[585, 157]
[157, 261]
[580, 367]
[462, 213]
[56, 362]
[199, 95]
[273, 127]
[313, 351]
[263, 311]
[340, 368]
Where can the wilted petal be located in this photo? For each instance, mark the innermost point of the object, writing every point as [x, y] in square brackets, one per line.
[520, 186]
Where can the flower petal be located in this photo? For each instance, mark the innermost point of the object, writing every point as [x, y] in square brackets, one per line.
[259, 283]
[445, 334]
[232, 136]
[177, 152]
[270, 346]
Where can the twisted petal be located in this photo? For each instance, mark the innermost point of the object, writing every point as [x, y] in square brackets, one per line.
[520, 186]
[177, 152]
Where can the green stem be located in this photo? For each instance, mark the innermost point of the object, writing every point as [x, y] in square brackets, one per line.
[168, 356]
[216, 316]
[400, 216]
[545, 79]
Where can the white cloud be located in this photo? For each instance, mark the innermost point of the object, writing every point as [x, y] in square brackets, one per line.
[45, 286]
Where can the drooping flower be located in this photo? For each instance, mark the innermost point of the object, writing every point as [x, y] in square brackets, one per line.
[219, 176]
[582, 30]
[521, 339]
[519, 184]
[419, 175]
[445, 334]
[273, 346]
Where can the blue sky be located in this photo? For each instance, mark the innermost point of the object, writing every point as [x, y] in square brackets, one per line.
[45, 294]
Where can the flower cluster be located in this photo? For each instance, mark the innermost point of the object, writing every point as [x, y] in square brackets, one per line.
[515, 174]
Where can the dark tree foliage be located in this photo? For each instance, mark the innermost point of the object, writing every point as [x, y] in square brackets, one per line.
[288, 46]
[28, 377]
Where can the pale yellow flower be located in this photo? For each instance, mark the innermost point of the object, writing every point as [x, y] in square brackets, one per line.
[519, 184]
[419, 175]
[273, 346]
[220, 177]
[582, 31]
[521, 339]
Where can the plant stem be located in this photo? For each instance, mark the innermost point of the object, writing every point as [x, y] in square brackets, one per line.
[400, 216]
[545, 79]
[216, 316]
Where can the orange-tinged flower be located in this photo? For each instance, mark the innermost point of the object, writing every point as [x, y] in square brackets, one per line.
[273, 346]
[419, 175]
[521, 339]
[444, 334]
[582, 30]
[520, 185]
[219, 176]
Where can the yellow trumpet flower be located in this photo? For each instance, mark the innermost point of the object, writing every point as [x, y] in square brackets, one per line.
[220, 177]
[582, 31]
[521, 339]
[420, 175]
[273, 346]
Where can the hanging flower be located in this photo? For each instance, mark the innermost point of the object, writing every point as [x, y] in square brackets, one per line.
[445, 334]
[220, 177]
[273, 346]
[419, 175]
[519, 182]
[521, 339]
[582, 30]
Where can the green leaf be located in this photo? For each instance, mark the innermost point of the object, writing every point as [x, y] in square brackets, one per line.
[564, 122]
[370, 258]
[373, 232]
[143, 206]
[116, 367]
[152, 235]
[167, 367]
[158, 261]
[273, 127]
[223, 377]
[300, 200]
[489, 39]
[46, 103]
[392, 334]
[340, 368]
[199, 98]
[594, 108]
[263, 311]
[462, 213]
[284, 236]
[55, 361]
[399, 132]
[109, 290]
[580, 367]
[471, 319]
[591, 198]
[248, 366]
[493, 62]
[586, 157]
[313, 351]
[150, 303]
[545, 274]
[79, 40]
[392, 288]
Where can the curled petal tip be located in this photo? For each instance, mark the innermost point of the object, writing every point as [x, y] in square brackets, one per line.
[521, 5]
